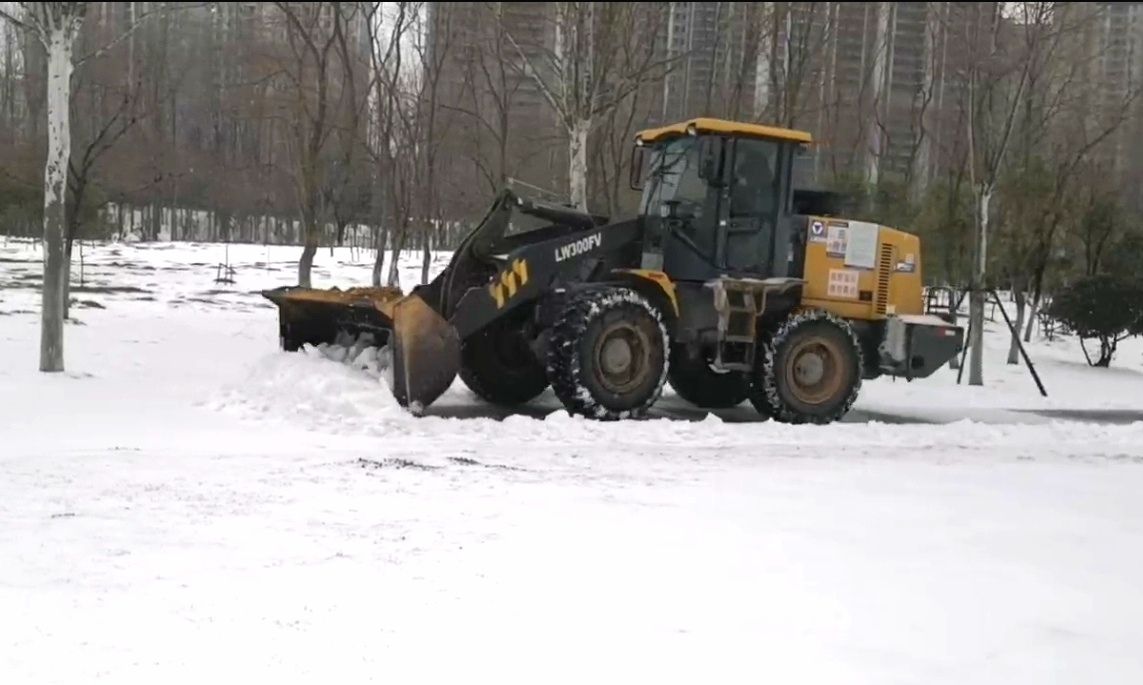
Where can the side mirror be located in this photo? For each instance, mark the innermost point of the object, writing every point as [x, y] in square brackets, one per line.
[710, 160]
[635, 173]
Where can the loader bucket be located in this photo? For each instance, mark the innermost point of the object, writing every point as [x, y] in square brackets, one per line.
[426, 353]
[308, 316]
[425, 348]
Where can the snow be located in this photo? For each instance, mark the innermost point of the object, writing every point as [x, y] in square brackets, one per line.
[189, 503]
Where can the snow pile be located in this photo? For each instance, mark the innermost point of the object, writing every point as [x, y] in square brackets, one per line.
[323, 388]
[330, 389]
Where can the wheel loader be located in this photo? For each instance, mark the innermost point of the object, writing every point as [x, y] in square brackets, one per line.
[728, 284]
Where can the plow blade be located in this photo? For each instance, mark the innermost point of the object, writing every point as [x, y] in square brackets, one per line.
[425, 348]
[426, 353]
[308, 316]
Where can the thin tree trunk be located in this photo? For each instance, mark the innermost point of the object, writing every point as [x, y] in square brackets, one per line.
[55, 199]
[1032, 309]
[922, 162]
[156, 221]
[880, 57]
[306, 263]
[394, 278]
[577, 163]
[72, 231]
[427, 256]
[1021, 308]
[67, 279]
[379, 262]
[976, 302]
[1085, 353]
[1106, 352]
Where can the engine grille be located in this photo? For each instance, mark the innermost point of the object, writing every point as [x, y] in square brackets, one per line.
[884, 270]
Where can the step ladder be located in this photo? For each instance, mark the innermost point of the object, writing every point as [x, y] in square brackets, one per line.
[739, 303]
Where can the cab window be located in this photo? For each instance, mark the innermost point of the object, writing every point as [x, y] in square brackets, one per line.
[674, 176]
[754, 188]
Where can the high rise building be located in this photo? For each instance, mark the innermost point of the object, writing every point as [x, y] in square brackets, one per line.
[874, 81]
[1115, 42]
[877, 83]
[493, 117]
[714, 49]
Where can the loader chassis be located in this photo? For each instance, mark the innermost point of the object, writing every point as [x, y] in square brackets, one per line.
[717, 287]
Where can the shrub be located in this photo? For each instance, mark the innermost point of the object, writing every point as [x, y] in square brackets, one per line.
[1104, 307]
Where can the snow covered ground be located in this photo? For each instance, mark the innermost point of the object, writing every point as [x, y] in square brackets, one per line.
[187, 502]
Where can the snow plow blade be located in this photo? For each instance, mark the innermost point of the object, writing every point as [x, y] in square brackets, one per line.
[425, 348]
[308, 316]
[426, 353]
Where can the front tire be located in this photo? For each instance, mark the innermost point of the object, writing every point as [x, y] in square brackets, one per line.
[607, 354]
[498, 367]
[811, 370]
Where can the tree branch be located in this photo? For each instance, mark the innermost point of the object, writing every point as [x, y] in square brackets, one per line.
[165, 9]
[14, 21]
[530, 70]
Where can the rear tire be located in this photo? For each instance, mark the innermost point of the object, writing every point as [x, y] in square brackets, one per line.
[498, 367]
[811, 369]
[697, 383]
[607, 354]
[757, 393]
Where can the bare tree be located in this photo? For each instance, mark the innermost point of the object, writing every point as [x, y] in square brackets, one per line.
[97, 139]
[996, 83]
[799, 34]
[432, 59]
[55, 25]
[492, 80]
[1056, 129]
[921, 155]
[313, 31]
[341, 193]
[387, 35]
[589, 73]
[612, 147]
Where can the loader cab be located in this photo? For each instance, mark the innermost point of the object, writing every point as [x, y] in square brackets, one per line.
[716, 198]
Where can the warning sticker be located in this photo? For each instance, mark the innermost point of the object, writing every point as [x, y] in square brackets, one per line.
[817, 232]
[837, 241]
[842, 283]
[861, 245]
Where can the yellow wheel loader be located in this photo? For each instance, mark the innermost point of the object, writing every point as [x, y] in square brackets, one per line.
[727, 284]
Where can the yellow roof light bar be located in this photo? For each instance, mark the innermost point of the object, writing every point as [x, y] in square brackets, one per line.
[734, 128]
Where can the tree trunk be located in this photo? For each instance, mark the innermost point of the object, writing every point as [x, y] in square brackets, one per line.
[67, 279]
[427, 255]
[1014, 346]
[310, 230]
[976, 301]
[378, 263]
[394, 278]
[55, 198]
[877, 83]
[1106, 352]
[306, 263]
[922, 161]
[156, 221]
[1083, 347]
[1032, 309]
[577, 163]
